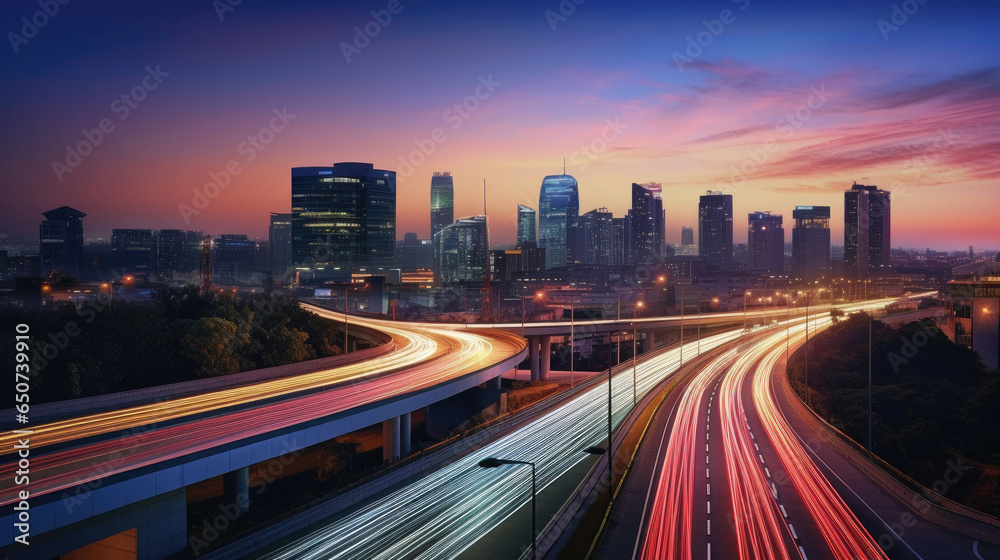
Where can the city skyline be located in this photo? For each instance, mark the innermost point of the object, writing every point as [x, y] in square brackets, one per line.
[911, 110]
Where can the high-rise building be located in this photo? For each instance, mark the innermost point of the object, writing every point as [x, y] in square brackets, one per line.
[596, 230]
[61, 241]
[648, 222]
[687, 235]
[526, 217]
[811, 242]
[442, 201]
[279, 237]
[506, 263]
[715, 229]
[133, 248]
[766, 241]
[462, 249]
[172, 251]
[558, 215]
[621, 241]
[867, 238]
[413, 254]
[234, 258]
[342, 216]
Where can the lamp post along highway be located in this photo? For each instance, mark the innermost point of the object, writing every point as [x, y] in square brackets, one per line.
[635, 332]
[492, 463]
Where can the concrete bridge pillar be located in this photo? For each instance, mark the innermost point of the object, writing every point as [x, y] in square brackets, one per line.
[390, 439]
[405, 431]
[236, 489]
[546, 358]
[533, 356]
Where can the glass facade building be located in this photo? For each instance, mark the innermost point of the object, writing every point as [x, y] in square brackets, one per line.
[867, 221]
[462, 250]
[342, 217]
[766, 241]
[811, 242]
[597, 232]
[715, 229]
[526, 218]
[442, 201]
[648, 222]
[279, 237]
[61, 241]
[558, 216]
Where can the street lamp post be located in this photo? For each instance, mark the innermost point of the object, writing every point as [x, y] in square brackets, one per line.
[870, 321]
[635, 332]
[492, 463]
[746, 294]
[572, 341]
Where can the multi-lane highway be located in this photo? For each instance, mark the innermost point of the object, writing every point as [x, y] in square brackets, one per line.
[728, 474]
[425, 356]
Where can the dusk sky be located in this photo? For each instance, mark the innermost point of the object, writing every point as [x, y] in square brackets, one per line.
[910, 106]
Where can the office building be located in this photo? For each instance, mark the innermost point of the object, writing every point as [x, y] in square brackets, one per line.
[507, 263]
[173, 252]
[279, 237]
[61, 241]
[462, 250]
[442, 201]
[811, 242]
[234, 259]
[867, 238]
[342, 216]
[648, 222]
[526, 218]
[766, 241]
[596, 231]
[715, 229]
[558, 215]
[133, 248]
[621, 241]
[413, 254]
[687, 235]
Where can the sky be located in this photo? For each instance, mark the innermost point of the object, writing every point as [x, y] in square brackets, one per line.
[778, 103]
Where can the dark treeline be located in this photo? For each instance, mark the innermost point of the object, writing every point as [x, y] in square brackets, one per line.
[933, 402]
[101, 347]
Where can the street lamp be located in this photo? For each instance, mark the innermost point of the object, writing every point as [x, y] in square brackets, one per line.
[746, 294]
[714, 301]
[538, 295]
[635, 315]
[492, 463]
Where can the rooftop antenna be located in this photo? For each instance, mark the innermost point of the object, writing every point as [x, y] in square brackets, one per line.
[484, 197]
[486, 313]
[564, 164]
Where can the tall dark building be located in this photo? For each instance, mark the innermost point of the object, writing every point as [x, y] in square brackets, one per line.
[413, 254]
[506, 263]
[558, 215]
[234, 258]
[342, 216]
[766, 241]
[597, 233]
[621, 241]
[648, 222]
[715, 229]
[867, 220]
[526, 232]
[279, 237]
[133, 248]
[687, 235]
[811, 242]
[442, 201]
[61, 241]
[462, 249]
[172, 252]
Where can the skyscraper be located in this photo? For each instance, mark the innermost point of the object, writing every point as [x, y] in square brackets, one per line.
[687, 235]
[462, 249]
[597, 233]
[621, 243]
[442, 201]
[647, 222]
[61, 241]
[715, 229]
[867, 238]
[172, 253]
[811, 242]
[526, 232]
[133, 248]
[342, 216]
[558, 215]
[279, 236]
[766, 241]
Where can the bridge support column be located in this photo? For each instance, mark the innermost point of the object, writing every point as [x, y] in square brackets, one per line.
[390, 439]
[546, 352]
[236, 489]
[405, 430]
[533, 356]
[495, 383]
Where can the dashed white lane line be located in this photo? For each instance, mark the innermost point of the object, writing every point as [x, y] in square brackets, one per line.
[708, 528]
[803, 553]
[708, 489]
[708, 508]
[783, 512]
[767, 472]
[792, 529]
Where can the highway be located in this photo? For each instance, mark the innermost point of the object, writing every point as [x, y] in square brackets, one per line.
[727, 473]
[425, 356]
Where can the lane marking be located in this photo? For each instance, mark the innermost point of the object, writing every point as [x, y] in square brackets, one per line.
[708, 489]
[708, 528]
[708, 509]
[803, 553]
[783, 512]
[792, 528]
